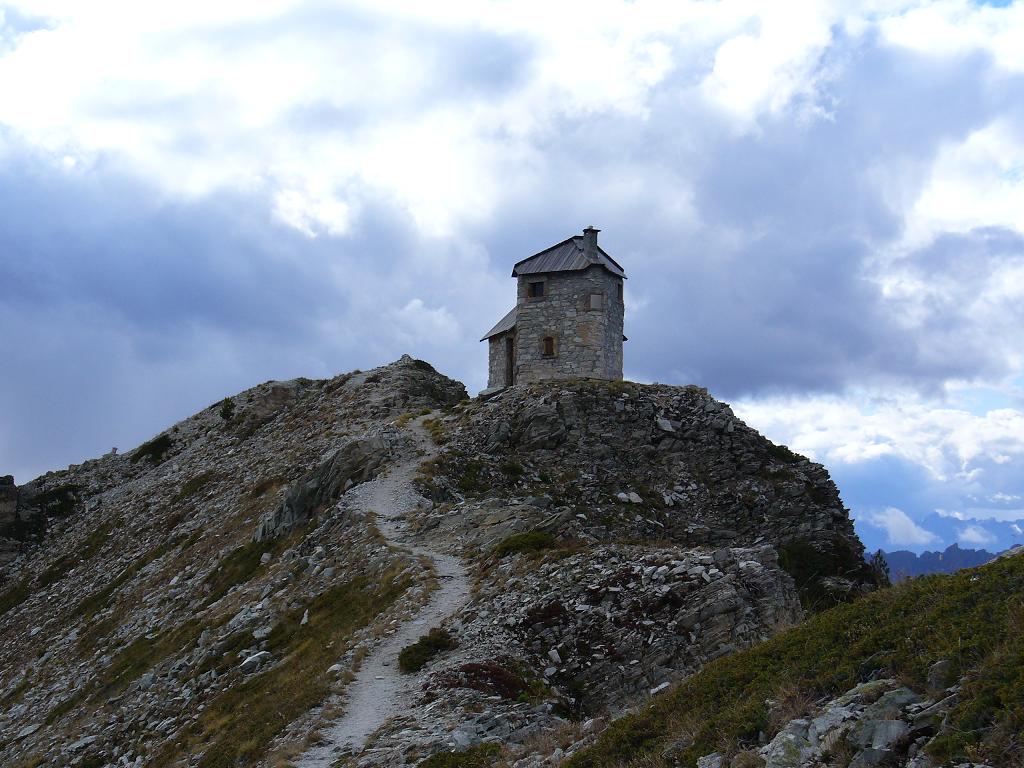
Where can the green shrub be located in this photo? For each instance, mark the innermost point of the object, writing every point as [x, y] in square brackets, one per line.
[154, 450]
[227, 409]
[480, 756]
[414, 657]
[512, 468]
[974, 618]
[532, 541]
[809, 565]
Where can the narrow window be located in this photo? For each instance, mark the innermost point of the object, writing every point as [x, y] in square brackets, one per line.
[620, 291]
[536, 290]
[549, 346]
[596, 301]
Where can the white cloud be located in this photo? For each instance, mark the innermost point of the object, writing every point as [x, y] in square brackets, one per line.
[197, 98]
[977, 181]
[419, 324]
[975, 535]
[982, 513]
[959, 27]
[900, 529]
[862, 426]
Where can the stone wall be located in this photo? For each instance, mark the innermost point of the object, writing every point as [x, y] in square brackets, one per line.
[497, 360]
[588, 342]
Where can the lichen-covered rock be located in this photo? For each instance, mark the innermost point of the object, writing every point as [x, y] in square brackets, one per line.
[876, 723]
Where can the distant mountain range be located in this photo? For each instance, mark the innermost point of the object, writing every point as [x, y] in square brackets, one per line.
[904, 564]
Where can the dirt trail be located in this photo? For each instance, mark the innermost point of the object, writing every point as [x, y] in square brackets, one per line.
[379, 691]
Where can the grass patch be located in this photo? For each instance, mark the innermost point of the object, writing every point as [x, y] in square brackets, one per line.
[154, 450]
[480, 756]
[144, 653]
[532, 541]
[237, 567]
[436, 431]
[974, 618]
[89, 548]
[13, 596]
[95, 541]
[239, 724]
[414, 657]
[265, 486]
[64, 707]
[470, 481]
[404, 419]
[193, 485]
[782, 453]
[56, 570]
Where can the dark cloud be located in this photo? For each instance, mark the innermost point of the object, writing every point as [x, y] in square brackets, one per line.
[752, 255]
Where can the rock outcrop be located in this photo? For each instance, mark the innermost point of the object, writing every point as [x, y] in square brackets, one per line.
[23, 515]
[877, 723]
[606, 461]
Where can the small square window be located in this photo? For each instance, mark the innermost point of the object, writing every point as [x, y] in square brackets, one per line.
[596, 301]
[536, 290]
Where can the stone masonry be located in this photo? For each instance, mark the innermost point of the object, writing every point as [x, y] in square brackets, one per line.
[568, 318]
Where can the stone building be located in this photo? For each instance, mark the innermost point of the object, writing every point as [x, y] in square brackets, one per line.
[567, 321]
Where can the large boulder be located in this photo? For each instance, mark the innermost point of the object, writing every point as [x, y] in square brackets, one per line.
[355, 462]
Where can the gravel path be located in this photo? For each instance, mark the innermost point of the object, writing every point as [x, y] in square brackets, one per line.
[379, 691]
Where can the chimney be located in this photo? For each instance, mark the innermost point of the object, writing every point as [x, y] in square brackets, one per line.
[590, 239]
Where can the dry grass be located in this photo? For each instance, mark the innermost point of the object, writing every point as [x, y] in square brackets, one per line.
[239, 725]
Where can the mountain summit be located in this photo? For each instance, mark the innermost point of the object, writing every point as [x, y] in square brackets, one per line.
[374, 568]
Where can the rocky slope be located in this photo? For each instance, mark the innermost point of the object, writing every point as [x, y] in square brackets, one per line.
[928, 673]
[221, 595]
[614, 461]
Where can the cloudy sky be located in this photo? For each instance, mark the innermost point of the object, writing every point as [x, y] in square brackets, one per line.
[820, 206]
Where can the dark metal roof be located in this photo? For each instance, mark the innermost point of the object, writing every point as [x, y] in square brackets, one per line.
[507, 323]
[567, 256]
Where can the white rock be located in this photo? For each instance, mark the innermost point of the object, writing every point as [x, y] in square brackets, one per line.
[28, 730]
[255, 661]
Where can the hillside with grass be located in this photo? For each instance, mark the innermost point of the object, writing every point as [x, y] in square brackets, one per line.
[944, 655]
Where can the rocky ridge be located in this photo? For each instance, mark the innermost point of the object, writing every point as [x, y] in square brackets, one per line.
[614, 461]
[205, 599]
